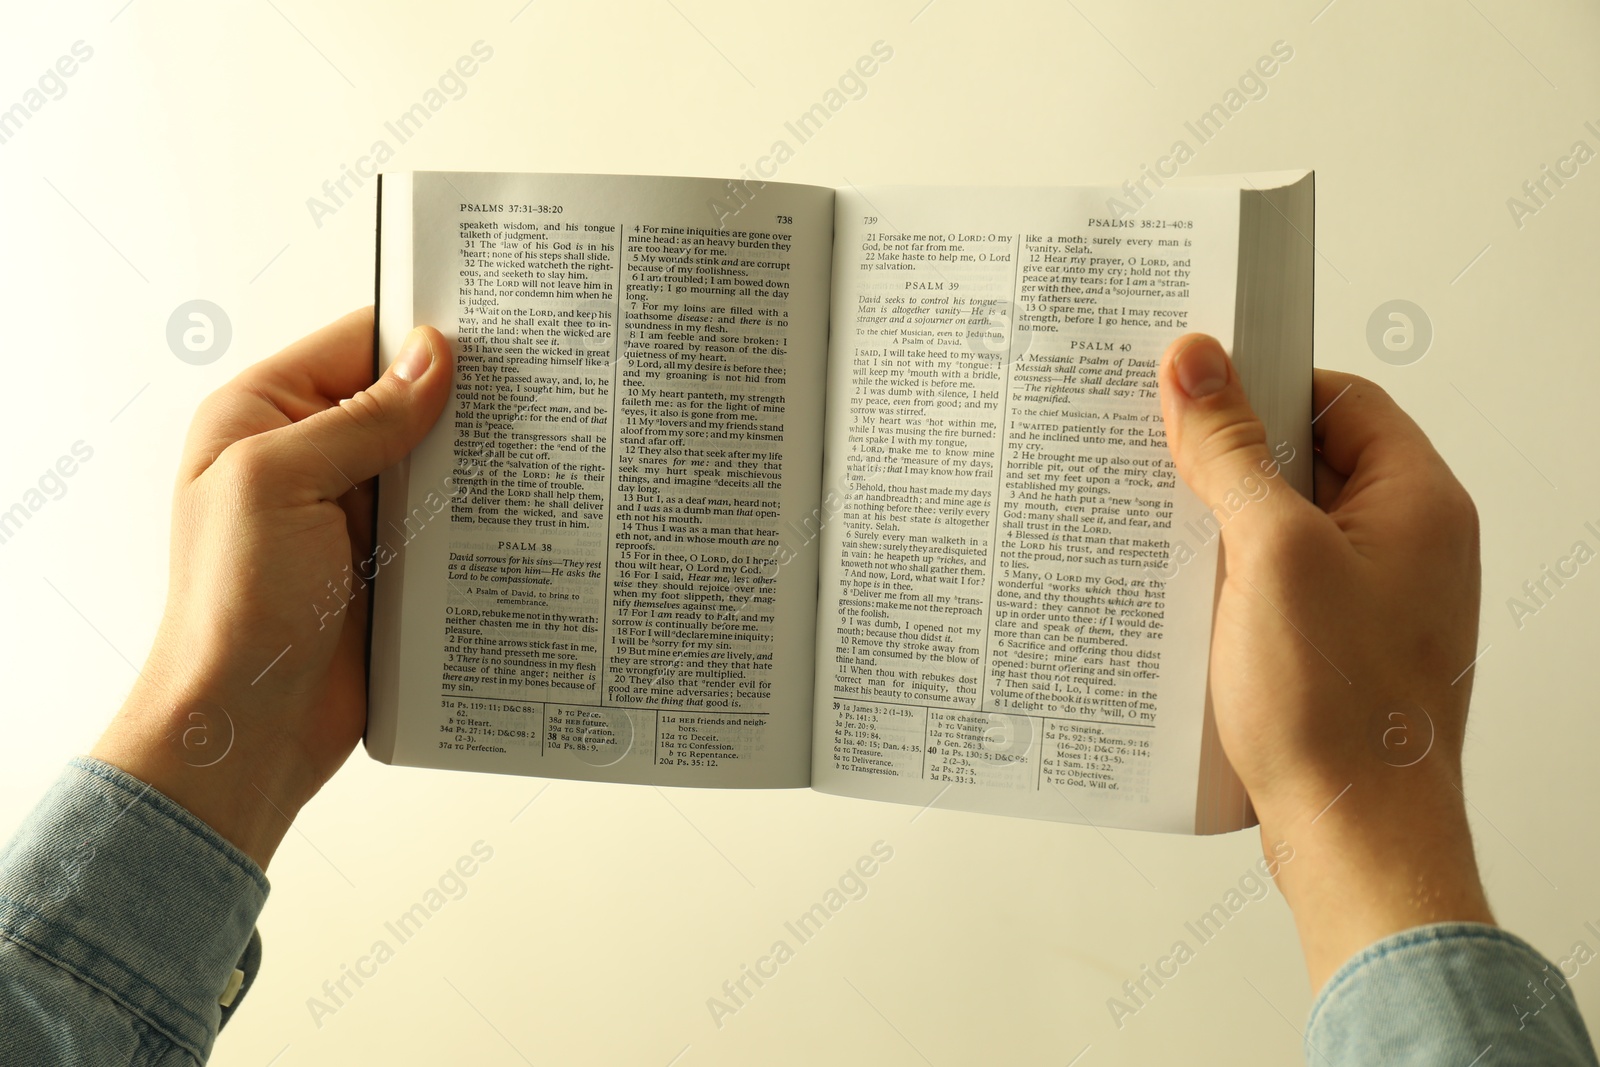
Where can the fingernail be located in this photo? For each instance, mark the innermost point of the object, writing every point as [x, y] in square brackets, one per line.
[416, 356]
[1202, 368]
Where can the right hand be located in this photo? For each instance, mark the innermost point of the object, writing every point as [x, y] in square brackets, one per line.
[1339, 653]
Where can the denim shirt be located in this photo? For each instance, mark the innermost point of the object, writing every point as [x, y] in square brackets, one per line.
[127, 927]
[1449, 993]
[127, 935]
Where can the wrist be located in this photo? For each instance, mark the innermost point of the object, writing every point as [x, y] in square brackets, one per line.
[1386, 856]
[191, 747]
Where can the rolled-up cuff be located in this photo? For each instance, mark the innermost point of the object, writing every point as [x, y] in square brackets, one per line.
[1448, 993]
[125, 889]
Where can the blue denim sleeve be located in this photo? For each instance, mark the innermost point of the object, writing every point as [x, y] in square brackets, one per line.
[127, 926]
[1450, 993]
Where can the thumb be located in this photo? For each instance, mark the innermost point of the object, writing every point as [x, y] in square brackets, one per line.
[360, 436]
[1218, 444]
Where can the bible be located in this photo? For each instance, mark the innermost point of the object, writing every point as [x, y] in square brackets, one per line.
[752, 484]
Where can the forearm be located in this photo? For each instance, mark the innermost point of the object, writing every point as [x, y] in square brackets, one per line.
[1364, 871]
[1399, 941]
[197, 737]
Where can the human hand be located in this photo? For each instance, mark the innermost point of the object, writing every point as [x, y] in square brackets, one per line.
[255, 689]
[1340, 626]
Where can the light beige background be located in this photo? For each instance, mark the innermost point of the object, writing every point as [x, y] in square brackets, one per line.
[178, 165]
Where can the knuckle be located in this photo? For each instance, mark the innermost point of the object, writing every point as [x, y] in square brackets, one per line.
[1466, 509]
[244, 460]
[1441, 506]
[218, 414]
[1440, 493]
[239, 474]
[367, 410]
[244, 464]
[1235, 438]
[214, 407]
[1455, 505]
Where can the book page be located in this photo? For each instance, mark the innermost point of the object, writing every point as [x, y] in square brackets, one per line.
[1004, 625]
[591, 577]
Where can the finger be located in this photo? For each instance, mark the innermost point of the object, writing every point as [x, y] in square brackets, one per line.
[329, 453]
[309, 376]
[1358, 424]
[359, 504]
[320, 368]
[1216, 440]
[1390, 471]
[1326, 482]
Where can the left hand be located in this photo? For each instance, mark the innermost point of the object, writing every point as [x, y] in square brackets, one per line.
[255, 690]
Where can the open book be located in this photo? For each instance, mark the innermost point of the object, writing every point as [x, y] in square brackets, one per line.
[760, 485]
